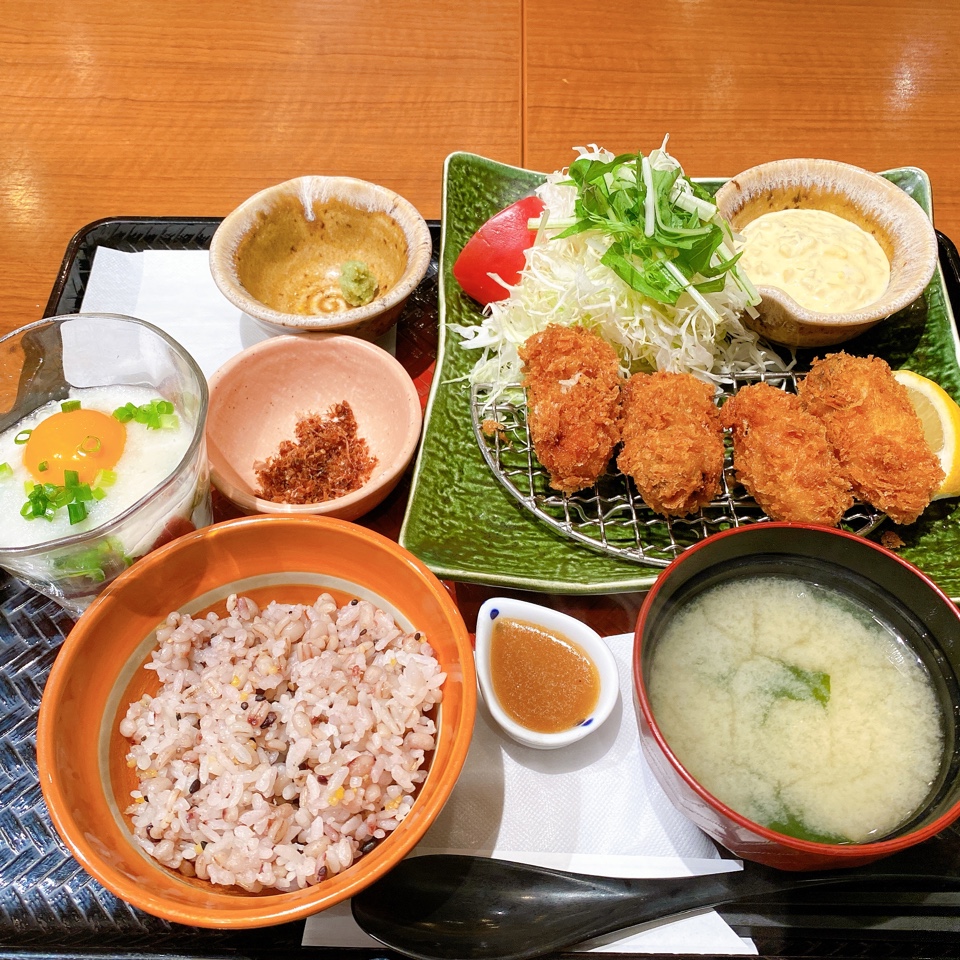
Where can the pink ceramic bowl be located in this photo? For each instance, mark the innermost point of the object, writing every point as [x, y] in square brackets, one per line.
[257, 397]
[892, 588]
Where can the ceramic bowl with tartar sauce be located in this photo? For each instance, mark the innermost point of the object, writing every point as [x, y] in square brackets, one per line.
[817, 262]
[547, 678]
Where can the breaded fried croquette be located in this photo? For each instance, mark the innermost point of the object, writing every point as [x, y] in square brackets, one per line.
[782, 456]
[573, 403]
[672, 441]
[875, 433]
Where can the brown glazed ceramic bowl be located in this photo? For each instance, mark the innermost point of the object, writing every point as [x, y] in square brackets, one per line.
[279, 255]
[893, 589]
[257, 397]
[873, 203]
[81, 755]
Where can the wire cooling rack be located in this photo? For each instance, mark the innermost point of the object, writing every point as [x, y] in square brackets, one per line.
[610, 516]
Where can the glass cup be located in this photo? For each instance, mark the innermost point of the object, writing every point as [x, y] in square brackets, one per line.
[43, 362]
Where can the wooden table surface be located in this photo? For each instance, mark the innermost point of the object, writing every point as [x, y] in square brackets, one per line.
[184, 108]
[128, 107]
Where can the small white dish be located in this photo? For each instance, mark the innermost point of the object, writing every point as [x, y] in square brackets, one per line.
[258, 396]
[561, 624]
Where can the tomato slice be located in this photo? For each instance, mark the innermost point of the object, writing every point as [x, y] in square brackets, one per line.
[497, 247]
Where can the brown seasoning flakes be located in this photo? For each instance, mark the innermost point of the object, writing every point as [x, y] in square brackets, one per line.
[328, 460]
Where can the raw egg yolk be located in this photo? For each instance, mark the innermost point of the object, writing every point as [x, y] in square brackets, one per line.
[86, 441]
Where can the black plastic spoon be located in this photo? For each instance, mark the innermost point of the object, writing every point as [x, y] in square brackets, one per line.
[448, 907]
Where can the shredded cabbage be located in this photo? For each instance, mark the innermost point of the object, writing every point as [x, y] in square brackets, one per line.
[565, 282]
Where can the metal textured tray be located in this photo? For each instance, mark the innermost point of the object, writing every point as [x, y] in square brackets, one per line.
[611, 517]
[50, 907]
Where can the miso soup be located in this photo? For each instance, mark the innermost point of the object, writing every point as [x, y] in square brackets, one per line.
[799, 709]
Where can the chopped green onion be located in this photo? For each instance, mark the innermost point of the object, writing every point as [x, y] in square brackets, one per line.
[45, 499]
[22, 437]
[68, 406]
[169, 421]
[5, 471]
[105, 478]
[94, 572]
[147, 414]
[150, 414]
[94, 562]
[43, 466]
[89, 445]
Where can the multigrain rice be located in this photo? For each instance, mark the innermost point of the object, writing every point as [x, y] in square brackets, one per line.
[283, 743]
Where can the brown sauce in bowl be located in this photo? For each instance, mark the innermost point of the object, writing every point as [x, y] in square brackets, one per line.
[544, 681]
[293, 264]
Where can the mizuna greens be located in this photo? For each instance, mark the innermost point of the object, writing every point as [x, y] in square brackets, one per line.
[665, 231]
[628, 246]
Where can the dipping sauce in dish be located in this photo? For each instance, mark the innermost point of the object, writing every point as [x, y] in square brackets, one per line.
[543, 680]
[306, 258]
[825, 262]
[799, 708]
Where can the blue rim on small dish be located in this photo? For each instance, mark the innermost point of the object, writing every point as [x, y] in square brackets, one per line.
[560, 624]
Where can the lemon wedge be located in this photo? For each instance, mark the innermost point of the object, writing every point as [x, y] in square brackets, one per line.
[940, 416]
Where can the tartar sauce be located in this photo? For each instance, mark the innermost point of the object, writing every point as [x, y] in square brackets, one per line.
[823, 261]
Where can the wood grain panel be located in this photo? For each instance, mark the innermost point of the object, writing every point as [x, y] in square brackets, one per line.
[183, 108]
[738, 82]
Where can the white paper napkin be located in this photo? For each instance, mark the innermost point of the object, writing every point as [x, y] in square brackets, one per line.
[174, 290]
[593, 807]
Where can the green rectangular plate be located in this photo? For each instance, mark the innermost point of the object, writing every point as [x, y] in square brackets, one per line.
[465, 526]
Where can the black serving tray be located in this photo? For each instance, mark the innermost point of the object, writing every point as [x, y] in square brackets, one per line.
[50, 907]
